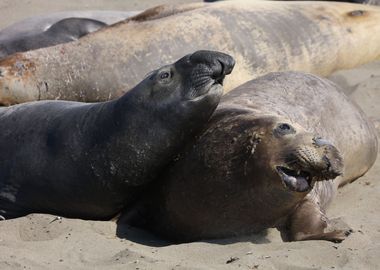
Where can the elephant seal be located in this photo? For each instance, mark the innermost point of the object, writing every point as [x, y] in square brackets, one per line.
[55, 28]
[90, 160]
[267, 158]
[40, 23]
[63, 31]
[313, 37]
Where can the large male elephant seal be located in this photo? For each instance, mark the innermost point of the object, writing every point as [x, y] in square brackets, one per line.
[263, 36]
[90, 160]
[266, 159]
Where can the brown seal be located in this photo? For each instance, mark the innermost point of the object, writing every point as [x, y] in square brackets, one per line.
[267, 159]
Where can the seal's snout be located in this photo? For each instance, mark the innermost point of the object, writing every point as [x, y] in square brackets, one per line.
[332, 159]
[318, 141]
[227, 64]
[321, 158]
[221, 64]
[205, 71]
[308, 163]
[212, 58]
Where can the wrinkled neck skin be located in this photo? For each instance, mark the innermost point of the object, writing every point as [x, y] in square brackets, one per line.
[274, 201]
[146, 134]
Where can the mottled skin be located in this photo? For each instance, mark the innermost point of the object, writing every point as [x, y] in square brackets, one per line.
[63, 31]
[90, 160]
[263, 36]
[228, 183]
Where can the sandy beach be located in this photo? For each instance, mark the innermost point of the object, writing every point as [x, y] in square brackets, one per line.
[44, 242]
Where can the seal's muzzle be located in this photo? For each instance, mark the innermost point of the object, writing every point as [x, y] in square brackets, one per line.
[207, 73]
[309, 163]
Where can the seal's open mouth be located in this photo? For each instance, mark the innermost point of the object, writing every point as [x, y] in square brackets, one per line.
[295, 180]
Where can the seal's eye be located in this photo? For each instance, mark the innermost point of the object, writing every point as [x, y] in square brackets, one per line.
[284, 129]
[164, 75]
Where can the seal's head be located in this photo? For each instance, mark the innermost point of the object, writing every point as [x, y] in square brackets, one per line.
[192, 86]
[283, 163]
[297, 158]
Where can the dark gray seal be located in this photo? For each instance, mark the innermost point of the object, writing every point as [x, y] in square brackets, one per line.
[63, 31]
[40, 23]
[90, 160]
[267, 158]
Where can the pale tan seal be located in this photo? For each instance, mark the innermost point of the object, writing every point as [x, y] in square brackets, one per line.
[263, 36]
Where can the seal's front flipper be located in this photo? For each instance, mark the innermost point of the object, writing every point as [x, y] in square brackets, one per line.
[3, 214]
[308, 222]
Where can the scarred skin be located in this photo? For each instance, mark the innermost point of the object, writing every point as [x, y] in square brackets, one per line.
[90, 160]
[263, 36]
[228, 182]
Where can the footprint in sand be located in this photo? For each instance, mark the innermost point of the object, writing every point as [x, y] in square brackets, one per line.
[38, 227]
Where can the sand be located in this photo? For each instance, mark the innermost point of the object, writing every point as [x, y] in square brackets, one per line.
[45, 242]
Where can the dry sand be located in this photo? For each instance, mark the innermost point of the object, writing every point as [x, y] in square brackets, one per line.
[42, 242]
[12, 11]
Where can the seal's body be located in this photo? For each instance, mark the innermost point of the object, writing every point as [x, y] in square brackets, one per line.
[55, 28]
[263, 36]
[37, 24]
[266, 159]
[63, 31]
[90, 160]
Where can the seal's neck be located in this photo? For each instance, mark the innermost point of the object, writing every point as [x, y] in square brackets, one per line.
[132, 140]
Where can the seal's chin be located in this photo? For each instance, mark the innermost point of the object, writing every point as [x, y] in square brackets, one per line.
[296, 180]
[213, 88]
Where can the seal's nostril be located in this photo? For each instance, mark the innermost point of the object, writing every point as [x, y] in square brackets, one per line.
[321, 142]
[327, 162]
[227, 63]
[223, 69]
[331, 169]
[219, 72]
